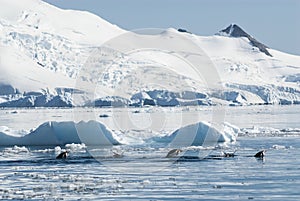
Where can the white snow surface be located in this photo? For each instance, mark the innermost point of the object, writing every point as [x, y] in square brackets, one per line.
[46, 50]
[37, 18]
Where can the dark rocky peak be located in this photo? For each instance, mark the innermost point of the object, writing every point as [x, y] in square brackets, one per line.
[183, 30]
[234, 30]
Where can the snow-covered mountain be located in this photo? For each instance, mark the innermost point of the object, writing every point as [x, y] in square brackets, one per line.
[51, 57]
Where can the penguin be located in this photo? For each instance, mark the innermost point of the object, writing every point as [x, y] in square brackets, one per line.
[62, 155]
[260, 154]
[228, 155]
[173, 153]
[117, 155]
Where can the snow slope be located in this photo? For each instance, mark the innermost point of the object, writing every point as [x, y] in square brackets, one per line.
[36, 17]
[51, 57]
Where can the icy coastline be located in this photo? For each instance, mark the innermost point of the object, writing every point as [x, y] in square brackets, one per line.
[237, 95]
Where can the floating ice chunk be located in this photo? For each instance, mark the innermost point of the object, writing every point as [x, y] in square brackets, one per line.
[58, 150]
[269, 131]
[260, 130]
[76, 147]
[277, 146]
[200, 134]
[15, 150]
[62, 133]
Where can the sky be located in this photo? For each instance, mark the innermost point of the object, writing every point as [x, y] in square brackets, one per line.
[276, 23]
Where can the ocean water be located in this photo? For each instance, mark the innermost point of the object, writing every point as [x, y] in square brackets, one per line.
[33, 173]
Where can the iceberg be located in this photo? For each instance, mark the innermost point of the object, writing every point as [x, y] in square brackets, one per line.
[200, 134]
[93, 133]
[62, 133]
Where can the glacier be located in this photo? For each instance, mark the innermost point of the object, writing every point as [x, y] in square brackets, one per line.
[45, 52]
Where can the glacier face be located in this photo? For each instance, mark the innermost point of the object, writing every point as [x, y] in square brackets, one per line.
[48, 60]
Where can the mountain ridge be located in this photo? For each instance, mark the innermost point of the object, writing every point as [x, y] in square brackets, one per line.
[233, 30]
[42, 63]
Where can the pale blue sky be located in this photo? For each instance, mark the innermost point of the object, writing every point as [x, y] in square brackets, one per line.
[275, 23]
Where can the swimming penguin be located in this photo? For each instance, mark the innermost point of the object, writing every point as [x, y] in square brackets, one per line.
[228, 155]
[117, 155]
[260, 154]
[62, 155]
[173, 153]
